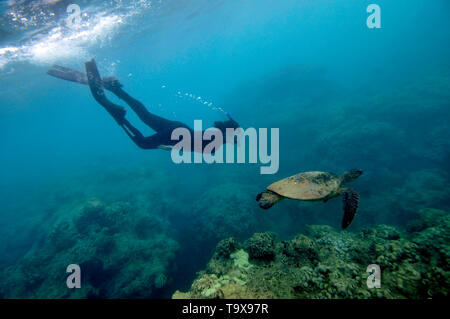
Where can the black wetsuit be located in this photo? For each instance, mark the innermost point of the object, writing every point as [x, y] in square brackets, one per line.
[162, 126]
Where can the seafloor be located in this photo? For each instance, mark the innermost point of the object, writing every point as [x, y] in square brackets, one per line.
[326, 263]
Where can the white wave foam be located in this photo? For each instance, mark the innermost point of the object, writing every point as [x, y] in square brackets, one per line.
[59, 43]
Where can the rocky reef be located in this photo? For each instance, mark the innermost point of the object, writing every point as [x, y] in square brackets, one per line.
[325, 263]
[123, 252]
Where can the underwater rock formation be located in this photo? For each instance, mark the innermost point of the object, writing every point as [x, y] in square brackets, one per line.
[261, 246]
[326, 263]
[123, 252]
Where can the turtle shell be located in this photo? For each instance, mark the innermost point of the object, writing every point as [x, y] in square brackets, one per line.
[307, 186]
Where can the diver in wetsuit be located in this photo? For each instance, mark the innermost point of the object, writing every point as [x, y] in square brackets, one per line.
[162, 126]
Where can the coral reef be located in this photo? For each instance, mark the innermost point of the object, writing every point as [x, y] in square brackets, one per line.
[226, 247]
[326, 263]
[261, 246]
[123, 252]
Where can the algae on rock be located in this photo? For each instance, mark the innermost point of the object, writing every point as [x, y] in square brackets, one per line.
[326, 263]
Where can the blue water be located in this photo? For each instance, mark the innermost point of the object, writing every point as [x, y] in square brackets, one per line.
[342, 95]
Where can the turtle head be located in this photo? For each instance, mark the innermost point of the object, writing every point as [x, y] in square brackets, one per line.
[351, 175]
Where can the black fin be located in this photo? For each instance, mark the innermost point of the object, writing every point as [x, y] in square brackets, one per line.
[67, 74]
[258, 197]
[96, 86]
[351, 200]
[94, 79]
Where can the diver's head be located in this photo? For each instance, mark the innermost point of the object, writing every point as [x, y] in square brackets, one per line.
[351, 175]
[222, 126]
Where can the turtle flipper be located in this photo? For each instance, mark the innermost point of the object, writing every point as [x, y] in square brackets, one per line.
[351, 200]
[267, 199]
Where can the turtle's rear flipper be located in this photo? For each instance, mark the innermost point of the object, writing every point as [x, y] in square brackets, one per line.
[351, 200]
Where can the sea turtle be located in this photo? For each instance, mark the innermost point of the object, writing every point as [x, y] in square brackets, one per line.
[314, 186]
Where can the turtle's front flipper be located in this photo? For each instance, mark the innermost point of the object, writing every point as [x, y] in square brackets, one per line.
[267, 199]
[351, 200]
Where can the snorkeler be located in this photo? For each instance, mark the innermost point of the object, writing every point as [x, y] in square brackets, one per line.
[163, 127]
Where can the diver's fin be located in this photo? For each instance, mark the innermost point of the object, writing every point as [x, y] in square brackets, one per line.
[96, 86]
[64, 69]
[94, 79]
[351, 200]
[110, 83]
[67, 74]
